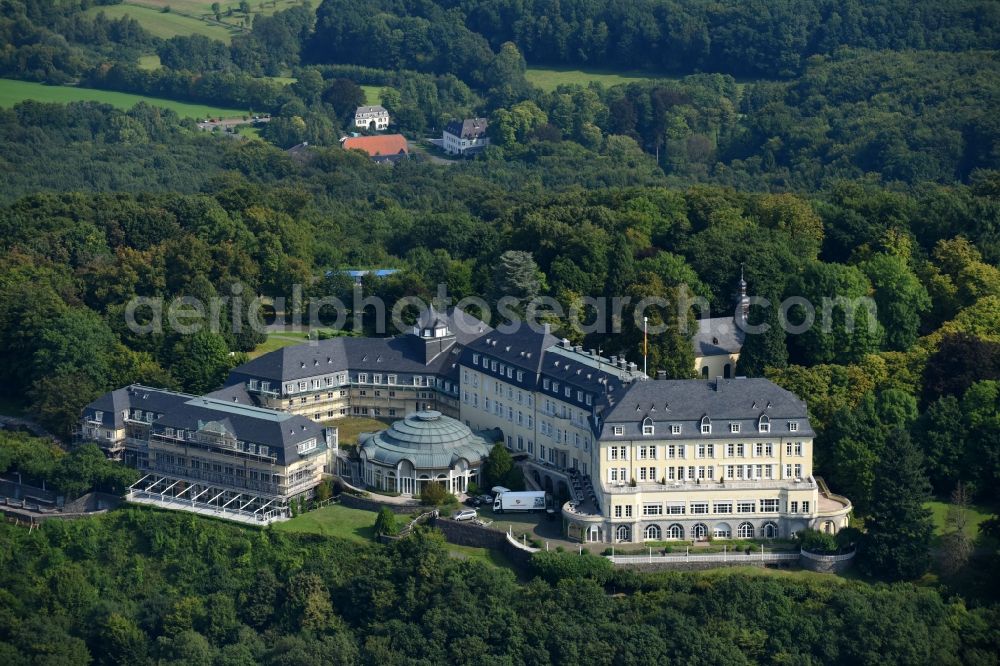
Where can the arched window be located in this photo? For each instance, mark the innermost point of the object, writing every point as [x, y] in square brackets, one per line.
[745, 531]
[699, 531]
[706, 425]
[770, 531]
[727, 371]
[623, 534]
[764, 423]
[653, 533]
[704, 372]
[722, 531]
[647, 426]
[675, 531]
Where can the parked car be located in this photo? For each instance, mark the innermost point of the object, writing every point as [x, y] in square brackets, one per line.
[473, 501]
[485, 499]
[466, 514]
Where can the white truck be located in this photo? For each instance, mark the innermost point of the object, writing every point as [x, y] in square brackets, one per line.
[520, 501]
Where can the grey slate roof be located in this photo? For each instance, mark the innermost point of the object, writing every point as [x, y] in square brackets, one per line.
[115, 403]
[401, 354]
[470, 128]
[718, 336]
[280, 431]
[723, 401]
[428, 439]
[377, 108]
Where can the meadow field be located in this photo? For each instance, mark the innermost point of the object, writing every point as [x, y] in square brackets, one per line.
[166, 25]
[550, 78]
[12, 92]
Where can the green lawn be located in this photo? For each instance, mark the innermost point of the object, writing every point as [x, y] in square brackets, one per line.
[12, 92]
[189, 17]
[549, 79]
[166, 25]
[487, 555]
[766, 572]
[373, 94]
[277, 341]
[149, 62]
[939, 512]
[359, 526]
[350, 427]
[334, 520]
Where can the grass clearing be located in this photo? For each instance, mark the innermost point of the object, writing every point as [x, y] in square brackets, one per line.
[149, 62]
[166, 25]
[276, 341]
[550, 78]
[231, 20]
[939, 515]
[12, 92]
[373, 94]
[334, 520]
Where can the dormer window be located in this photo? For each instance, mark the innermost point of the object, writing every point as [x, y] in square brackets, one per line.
[706, 425]
[734, 427]
[675, 428]
[793, 426]
[764, 423]
[619, 431]
[647, 426]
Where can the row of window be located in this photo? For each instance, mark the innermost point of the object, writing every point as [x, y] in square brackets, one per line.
[676, 532]
[736, 450]
[343, 379]
[705, 427]
[502, 369]
[644, 474]
[701, 508]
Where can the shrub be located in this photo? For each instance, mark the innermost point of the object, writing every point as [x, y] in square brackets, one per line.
[817, 542]
[434, 494]
[554, 566]
[385, 522]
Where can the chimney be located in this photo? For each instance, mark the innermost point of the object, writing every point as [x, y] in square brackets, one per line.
[661, 374]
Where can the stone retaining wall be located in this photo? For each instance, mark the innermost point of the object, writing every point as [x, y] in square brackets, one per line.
[372, 504]
[826, 563]
[477, 536]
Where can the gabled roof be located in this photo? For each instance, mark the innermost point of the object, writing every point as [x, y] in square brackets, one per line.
[278, 430]
[382, 145]
[404, 354]
[470, 128]
[723, 401]
[115, 403]
[522, 347]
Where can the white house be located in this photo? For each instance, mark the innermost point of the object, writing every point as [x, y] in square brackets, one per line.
[463, 137]
[371, 118]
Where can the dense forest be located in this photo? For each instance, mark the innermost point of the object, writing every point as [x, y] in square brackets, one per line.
[142, 587]
[820, 149]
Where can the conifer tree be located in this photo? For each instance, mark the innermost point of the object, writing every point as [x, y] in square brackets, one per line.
[896, 545]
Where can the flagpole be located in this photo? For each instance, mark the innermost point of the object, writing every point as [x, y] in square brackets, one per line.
[645, 344]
